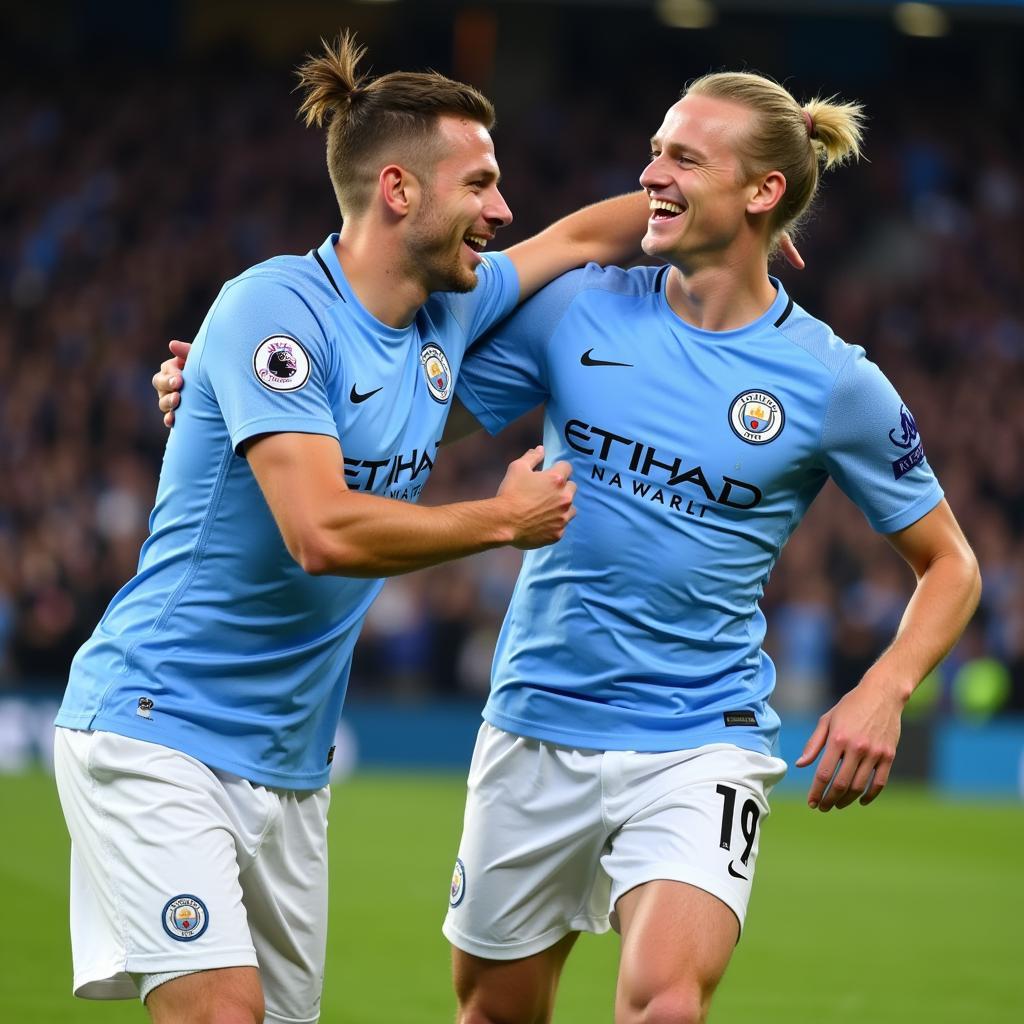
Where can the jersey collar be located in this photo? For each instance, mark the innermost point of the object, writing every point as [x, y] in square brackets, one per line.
[327, 259]
[774, 316]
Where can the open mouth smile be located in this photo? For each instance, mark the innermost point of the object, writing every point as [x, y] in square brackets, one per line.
[663, 209]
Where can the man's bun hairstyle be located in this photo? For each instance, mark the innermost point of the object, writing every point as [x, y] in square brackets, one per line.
[373, 121]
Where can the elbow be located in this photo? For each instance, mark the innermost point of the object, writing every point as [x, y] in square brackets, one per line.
[969, 582]
[315, 562]
[974, 578]
[317, 555]
[312, 553]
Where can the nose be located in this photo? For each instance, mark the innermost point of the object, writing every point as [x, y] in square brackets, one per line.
[497, 212]
[653, 176]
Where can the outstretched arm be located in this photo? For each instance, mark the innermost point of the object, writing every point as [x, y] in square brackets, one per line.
[608, 232]
[859, 735]
[605, 232]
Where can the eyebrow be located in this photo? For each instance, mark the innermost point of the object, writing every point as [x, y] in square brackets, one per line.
[484, 172]
[677, 147]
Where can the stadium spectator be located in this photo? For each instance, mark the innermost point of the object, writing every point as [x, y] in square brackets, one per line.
[115, 238]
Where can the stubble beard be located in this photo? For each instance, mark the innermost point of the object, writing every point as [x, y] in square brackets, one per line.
[435, 256]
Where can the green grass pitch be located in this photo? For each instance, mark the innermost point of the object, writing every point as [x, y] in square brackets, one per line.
[909, 911]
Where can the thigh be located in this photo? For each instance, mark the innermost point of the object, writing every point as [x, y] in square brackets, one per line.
[697, 819]
[528, 870]
[155, 883]
[285, 894]
[676, 943]
[235, 991]
[509, 991]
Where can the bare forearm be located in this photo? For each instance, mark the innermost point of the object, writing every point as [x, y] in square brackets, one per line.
[857, 737]
[606, 232]
[330, 529]
[369, 536]
[946, 597]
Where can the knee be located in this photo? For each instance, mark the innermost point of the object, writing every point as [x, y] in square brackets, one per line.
[478, 1015]
[473, 1015]
[678, 1005]
[472, 1011]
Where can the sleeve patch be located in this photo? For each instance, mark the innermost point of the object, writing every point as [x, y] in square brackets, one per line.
[281, 363]
[909, 441]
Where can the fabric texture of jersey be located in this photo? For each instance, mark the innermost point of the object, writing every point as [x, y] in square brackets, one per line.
[222, 646]
[696, 454]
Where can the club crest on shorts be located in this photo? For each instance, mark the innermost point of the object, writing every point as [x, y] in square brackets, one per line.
[185, 918]
[280, 363]
[458, 890]
[437, 371]
[756, 417]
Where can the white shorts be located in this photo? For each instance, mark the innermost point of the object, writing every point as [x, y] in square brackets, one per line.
[554, 836]
[177, 867]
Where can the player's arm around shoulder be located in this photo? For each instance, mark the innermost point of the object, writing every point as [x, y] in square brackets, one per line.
[330, 529]
[606, 232]
[859, 735]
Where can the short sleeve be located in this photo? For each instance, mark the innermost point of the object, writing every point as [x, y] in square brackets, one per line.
[873, 451]
[494, 297]
[505, 373]
[265, 357]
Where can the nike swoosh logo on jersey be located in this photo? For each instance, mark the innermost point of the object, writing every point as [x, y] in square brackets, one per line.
[736, 874]
[587, 360]
[355, 397]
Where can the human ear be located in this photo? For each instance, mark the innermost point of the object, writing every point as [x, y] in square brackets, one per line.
[766, 193]
[399, 189]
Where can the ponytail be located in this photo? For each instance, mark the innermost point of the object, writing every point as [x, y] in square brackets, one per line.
[371, 121]
[330, 82]
[783, 136]
[837, 130]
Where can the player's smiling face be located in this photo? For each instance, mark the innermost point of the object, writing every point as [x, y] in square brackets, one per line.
[461, 210]
[698, 196]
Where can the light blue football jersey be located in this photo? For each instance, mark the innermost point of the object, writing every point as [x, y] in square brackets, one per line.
[696, 454]
[222, 646]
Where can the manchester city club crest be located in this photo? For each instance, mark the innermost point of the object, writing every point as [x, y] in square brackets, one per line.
[437, 371]
[185, 918]
[280, 363]
[756, 417]
[458, 890]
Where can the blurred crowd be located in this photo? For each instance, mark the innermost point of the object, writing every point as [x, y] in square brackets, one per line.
[123, 211]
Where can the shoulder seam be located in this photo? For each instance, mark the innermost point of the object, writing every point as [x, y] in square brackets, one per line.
[315, 312]
[831, 395]
[818, 359]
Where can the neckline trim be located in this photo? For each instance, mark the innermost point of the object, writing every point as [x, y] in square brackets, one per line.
[330, 276]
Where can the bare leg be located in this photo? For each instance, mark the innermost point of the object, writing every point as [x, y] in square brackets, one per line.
[676, 943]
[509, 991]
[231, 995]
